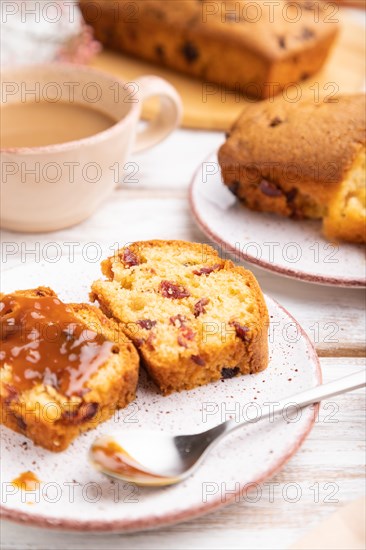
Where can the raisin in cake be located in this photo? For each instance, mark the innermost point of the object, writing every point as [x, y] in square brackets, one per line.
[194, 317]
[64, 367]
[252, 47]
[302, 160]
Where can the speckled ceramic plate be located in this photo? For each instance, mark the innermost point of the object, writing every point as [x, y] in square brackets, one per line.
[73, 496]
[287, 247]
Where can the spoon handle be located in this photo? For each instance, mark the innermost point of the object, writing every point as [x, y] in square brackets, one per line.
[307, 397]
[324, 391]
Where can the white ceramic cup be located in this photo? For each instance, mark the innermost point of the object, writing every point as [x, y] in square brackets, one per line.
[52, 187]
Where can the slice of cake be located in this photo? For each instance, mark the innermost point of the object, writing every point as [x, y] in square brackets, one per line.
[302, 160]
[64, 367]
[194, 317]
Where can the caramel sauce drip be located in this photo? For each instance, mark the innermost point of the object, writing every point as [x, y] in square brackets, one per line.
[26, 481]
[44, 343]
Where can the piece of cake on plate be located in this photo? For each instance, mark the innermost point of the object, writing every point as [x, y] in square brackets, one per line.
[194, 317]
[302, 160]
[64, 368]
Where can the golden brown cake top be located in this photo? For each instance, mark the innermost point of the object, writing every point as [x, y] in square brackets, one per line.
[270, 29]
[307, 141]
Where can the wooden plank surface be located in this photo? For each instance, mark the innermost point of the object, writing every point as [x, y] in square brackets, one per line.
[324, 475]
[343, 72]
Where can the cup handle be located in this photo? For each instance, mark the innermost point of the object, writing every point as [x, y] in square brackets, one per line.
[168, 117]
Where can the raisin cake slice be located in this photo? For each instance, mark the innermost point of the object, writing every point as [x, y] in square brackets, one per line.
[302, 160]
[194, 317]
[64, 368]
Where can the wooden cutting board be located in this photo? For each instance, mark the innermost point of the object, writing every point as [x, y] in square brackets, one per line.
[344, 72]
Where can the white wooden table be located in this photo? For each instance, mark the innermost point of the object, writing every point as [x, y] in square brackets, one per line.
[328, 469]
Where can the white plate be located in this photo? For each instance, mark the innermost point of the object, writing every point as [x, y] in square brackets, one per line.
[73, 496]
[288, 247]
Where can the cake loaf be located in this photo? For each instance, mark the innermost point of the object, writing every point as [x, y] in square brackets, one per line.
[302, 160]
[194, 317]
[64, 367]
[254, 48]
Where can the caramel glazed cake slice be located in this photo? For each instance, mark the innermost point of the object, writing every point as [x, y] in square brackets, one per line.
[194, 317]
[64, 368]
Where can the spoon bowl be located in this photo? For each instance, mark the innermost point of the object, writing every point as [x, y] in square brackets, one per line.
[150, 457]
[143, 457]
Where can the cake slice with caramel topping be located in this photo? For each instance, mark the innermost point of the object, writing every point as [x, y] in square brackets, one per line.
[64, 367]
